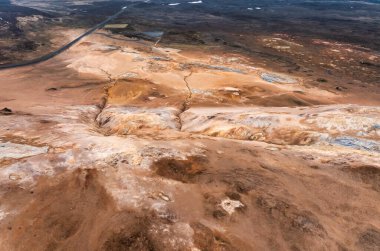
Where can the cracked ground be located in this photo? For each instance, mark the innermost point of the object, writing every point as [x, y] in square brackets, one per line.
[132, 146]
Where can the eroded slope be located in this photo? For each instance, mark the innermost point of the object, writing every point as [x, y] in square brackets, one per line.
[129, 146]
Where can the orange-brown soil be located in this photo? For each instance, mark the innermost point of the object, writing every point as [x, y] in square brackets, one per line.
[120, 145]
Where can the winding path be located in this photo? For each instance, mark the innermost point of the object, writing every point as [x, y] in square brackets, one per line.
[63, 48]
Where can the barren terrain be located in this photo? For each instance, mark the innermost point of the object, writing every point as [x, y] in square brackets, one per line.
[130, 144]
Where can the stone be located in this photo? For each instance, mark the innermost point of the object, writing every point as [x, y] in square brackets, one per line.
[6, 111]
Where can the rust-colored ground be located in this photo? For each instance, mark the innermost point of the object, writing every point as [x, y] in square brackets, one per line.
[152, 148]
